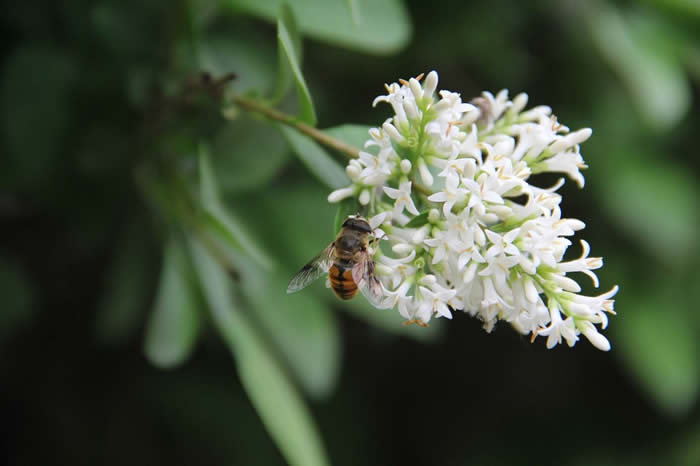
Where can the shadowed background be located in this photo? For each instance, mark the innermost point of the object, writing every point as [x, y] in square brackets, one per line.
[113, 347]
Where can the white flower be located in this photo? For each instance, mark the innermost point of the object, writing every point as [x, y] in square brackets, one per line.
[403, 198]
[439, 241]
[435, 303]
[568, 162]
[464, 245]
[398, 297]
[451, 195]
[559, 328]
[583, 264]
[480, 248]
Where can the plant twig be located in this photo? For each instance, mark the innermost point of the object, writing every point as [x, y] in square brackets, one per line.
[314, 133]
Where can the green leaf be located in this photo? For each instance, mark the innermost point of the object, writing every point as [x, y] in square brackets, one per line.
[290, 45]
[304, 330]
[418, 220]
[208, 187]
[346, 207]
[652, 72]
[354, 11]
[174, 325]
[279, 405]
[317, 160]
[660, 347]
[128, 287]
[218, 222]
[223, 227]
[298, 209]
[684, 7]
[386, 30]
[284, 73]
[656, 204]
[18, 308]
[355, 135]
[301, 325]
[37, 108]
[247, 155]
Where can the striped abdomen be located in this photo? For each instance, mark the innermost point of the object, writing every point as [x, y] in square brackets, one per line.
[342, 282]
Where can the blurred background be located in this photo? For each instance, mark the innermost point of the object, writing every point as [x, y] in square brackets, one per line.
[147, 237]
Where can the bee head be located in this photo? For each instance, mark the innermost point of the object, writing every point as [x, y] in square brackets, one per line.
[357, 223]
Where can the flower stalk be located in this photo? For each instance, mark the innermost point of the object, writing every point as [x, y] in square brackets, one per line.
[289, 120]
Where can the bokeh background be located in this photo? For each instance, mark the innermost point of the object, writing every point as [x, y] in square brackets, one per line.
[145, 323]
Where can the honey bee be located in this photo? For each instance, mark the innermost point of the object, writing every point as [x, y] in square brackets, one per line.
[348, 261]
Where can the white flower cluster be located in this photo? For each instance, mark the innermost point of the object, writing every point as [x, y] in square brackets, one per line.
[447, 183]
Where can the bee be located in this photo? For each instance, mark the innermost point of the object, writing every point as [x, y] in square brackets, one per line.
[348, 262]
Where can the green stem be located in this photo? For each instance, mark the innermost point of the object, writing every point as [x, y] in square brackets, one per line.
[289, 120]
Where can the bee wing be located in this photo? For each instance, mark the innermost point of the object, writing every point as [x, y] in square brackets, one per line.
[311, 271]
[367, 282]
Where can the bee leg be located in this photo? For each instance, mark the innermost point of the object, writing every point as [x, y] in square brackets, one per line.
[376, 239]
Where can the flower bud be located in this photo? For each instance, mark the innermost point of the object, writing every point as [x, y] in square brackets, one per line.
[425, 174]
[416, 88]
[402, 249]
[353, 171]
[430, 83]
[433, 215]
[364, 197]
[393, 133]
[340, 194]
[590, 332]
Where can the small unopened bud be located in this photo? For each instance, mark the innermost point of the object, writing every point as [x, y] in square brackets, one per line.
[430, 83]
[469, 273]
[596, 339]
[575, 224]
[502, 211]
[425, 174]
[364, 197]
[416, 88]
[353, 171]
[411, 109]
[469, 169]
[577, 137]
[531, 292]
[479, 236]
[393, 132]
[420, 235]
[340, 194]
[433, 215]
[519, 103]
[405, 166]
[402, 249]
[429, 279]
[378, 219]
